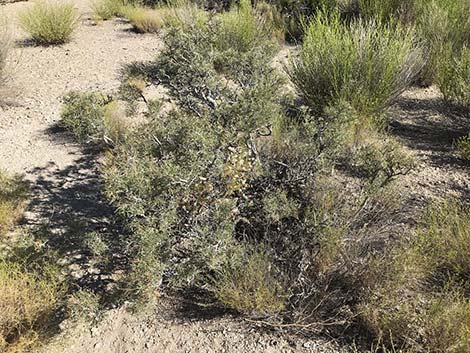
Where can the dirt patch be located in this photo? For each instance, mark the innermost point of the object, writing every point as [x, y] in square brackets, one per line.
[428, 127]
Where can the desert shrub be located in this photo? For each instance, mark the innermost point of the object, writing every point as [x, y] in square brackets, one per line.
[185, 15]
[231, 191]
[50, 23]
[83, 114]
[12, 200]
[453, 77]
[390, 10]
[422, 300]
[145, 20]
[242, 28]
[107, 9]
[366, 64]
[444, 27]
[444, 241]
[28, 297]
[84, 305]
[463, 145]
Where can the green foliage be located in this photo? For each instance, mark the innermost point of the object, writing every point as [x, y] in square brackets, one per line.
[444, 27]
[84, 305]
[454, 76]
[463, 145]
[107, 9]
[185, 15]
[231, 192]
[422, 299]
[50, 23]
[390, 10]
[444, 242]
[83, 114]
[366, 64]
[242, 28]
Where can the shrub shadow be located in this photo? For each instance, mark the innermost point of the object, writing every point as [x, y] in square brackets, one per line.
[431, 125]
[71, 213]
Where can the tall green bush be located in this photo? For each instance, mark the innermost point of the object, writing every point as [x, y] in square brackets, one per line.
[365, 64]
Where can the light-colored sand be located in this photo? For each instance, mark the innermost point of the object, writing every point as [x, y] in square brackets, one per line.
[42, 75]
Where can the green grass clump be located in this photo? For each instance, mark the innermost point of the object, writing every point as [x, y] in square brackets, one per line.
[242, 28]
[185, 15]
[107, 9]
[364, 64]
[49, 22]
[454, 76]
[463, 146]
[444, 26]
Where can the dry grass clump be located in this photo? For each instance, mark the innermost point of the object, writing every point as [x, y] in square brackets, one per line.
[250, 286]
[12, 200]
[145, 20]
[27, 300]
[50, 22]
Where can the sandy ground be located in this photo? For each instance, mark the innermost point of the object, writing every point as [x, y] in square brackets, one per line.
[42, 75]
[65, 180]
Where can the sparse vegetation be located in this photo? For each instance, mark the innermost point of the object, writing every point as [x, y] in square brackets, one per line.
[12, 201]
[421, 300]
[50, 22]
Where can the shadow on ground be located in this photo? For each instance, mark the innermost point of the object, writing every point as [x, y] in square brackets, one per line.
[70, 214]
[430, 127]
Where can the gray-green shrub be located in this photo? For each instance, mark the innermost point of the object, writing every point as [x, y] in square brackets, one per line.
[232, 180]
[365, 64]
[83, 114]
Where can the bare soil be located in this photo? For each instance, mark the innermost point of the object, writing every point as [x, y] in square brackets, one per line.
[66, 187]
